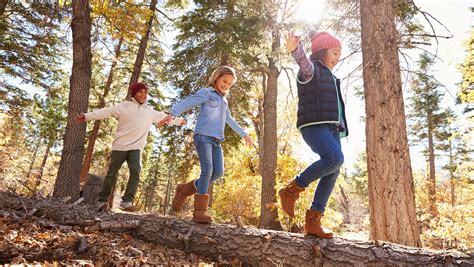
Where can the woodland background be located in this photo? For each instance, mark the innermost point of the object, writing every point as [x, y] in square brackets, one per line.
[173, 46]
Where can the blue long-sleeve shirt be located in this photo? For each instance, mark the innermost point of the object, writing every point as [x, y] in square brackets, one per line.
[214, 113]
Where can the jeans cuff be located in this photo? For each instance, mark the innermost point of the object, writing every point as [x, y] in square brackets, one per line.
[300, 183]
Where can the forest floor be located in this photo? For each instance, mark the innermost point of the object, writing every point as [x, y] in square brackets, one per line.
[39, 242]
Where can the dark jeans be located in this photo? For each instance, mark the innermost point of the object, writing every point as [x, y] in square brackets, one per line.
[211, 159]
[324, 140]
[117, 159]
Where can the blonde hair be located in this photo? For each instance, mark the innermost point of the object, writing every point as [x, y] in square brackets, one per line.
[222, 70]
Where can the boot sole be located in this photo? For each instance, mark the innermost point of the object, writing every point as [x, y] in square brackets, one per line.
[199, 221]
[131, 209]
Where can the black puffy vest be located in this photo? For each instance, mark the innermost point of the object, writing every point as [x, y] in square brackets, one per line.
[317, 99]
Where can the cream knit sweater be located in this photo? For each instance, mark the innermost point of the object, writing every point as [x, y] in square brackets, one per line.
[134, 121]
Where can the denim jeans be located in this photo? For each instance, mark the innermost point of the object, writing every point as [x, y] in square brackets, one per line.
[117, 159]
[324, 140]
[211, 159]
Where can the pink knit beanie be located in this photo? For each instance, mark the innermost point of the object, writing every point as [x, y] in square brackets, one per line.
[323, 40]
[135, 87]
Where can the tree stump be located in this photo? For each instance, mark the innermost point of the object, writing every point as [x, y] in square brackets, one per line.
[92, 188]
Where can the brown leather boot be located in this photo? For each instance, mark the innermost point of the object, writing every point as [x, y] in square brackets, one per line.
[312, 225]
[288, 195]
[183, 191]
[200, 213]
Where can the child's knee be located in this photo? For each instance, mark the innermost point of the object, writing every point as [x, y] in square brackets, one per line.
[135, 169]
[336, 160]
[206, 173]
[217, 174]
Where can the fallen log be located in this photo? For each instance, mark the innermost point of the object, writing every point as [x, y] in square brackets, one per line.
[249, 245]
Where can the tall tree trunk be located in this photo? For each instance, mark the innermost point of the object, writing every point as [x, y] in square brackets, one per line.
[95, 130]
[432, 175]
[451, 174]
[3, 5]
[167, 193]
[229, 15]
[259, 124]
[137, 67]
[67, 182]
[390, 185]
[150, 200]
[33, 159]
[43, 164]
[269, 212]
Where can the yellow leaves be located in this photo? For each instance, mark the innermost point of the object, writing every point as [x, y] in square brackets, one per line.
[453, 227]
[43, 236]
[125, 19]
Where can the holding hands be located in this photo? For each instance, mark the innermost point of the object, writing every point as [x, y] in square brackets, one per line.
[169, 118]
[292, 41]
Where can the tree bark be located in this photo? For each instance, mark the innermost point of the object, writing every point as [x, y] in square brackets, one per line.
[167, 194]
[95, 130]
[39, 177]
[451, 173]
[268, 204]
[390, 180]
[432, 174]
[67, 182]
[33, 159]
[137, 67]
[3, 5]
[255, 247]
[92, 188]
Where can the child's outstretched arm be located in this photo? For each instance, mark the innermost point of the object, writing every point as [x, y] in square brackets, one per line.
[100, 114]
[236, 127]
[294, 46]
[189, 102]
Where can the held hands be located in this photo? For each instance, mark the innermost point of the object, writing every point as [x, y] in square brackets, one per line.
[165, 120]
[181, 121]
[168, 120]
[292, 41]
[80, 118]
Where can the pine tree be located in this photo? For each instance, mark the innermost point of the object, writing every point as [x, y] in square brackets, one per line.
[427, 118]
[31, 46]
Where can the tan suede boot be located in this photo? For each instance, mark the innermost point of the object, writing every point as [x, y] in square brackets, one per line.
[312, 225]
[183, 191]
[288, 195]
[200, 213]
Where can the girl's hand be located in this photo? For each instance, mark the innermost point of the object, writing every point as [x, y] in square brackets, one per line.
[166, 120]
[182, 122]
[292, 41]
[248, 141]
[80, 118]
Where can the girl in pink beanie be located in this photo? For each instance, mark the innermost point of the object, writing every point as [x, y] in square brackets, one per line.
[322, 123]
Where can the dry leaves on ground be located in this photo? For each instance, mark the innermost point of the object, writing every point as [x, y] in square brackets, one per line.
[29, 241]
